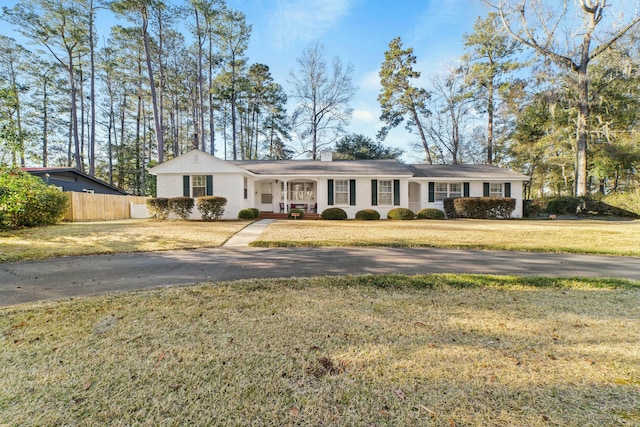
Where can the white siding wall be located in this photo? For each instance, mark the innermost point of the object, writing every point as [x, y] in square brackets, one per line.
[363, 196]
[476, 189]
[229, 186]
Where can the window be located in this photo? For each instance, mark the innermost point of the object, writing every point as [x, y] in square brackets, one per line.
[198, 186]
[495, 189]
[444, 190]
[300, 191]
[246, 189]
[341, 192]
[385, 192]
[455, 190]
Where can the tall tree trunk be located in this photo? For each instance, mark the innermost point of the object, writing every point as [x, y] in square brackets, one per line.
[45, 124]
[490, 108]
[212, 133]
[423, 137]
[92, 126]
[152, 86]
[74, 111]
[583, 117]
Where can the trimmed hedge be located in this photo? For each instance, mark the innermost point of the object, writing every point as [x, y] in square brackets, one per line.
[480, 207]
[211, 207]
[158, 208]
[298, 211]
[256, 212]
[430, 213]
[368, 215]
[26, 201]
[400, 213]
[181, 206]
[246, 214]
[334, 214]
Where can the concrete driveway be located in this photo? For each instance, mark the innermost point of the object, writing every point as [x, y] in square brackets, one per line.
[92, 275]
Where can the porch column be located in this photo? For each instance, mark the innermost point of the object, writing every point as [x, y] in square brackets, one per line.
[286, 195]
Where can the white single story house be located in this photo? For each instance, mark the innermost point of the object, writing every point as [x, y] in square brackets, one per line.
[315, 185]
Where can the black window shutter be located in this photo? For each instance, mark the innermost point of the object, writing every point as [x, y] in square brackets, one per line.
[210, 185]
[396, 192]
[352, 192]
[465, 190]
[507, 189]
[485, 189]
[374, 192]
[330, 192]
[186, 186]
[432, 192]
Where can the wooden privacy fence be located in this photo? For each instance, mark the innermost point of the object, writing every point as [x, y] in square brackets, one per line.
[99, 207]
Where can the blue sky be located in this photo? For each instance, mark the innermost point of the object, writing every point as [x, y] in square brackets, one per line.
[357, 31]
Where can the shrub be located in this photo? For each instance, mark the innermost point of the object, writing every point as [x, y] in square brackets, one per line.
[246, 214]
[628, 201]
[26, 201]
[256, 212]
[586, 206]
[479, 207]
[334, 214]
[368, 214]
[158, 208]
[564, 205]
[430, 213]
[211, 207]
[181, 206]
[532, 208]
[298, 211]
[400, 213]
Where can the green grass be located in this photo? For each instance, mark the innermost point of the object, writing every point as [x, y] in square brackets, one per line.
[386, 350]
[569, 236]
[109, 237]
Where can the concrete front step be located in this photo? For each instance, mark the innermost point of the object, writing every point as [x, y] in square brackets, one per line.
[273, 215]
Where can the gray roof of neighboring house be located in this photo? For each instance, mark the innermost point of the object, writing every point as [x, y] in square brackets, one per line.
[464, 172]
[316, 167]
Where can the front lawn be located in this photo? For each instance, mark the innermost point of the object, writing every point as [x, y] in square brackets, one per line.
[573, 236]
[113, 237]
[441, 350]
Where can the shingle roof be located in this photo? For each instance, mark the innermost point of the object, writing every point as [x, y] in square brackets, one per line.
[464, 172]
[315, 167]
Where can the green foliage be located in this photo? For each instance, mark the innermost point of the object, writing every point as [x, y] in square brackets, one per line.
[158, 208]
[532, 208]
[480, 207]
[256, 212]
[334, 214]
[246, 214]
[360, 147]
[629, 201]
[430, 213]
[368, 215]
[211, 207]
[400, 213]
[26, 201]
[298, 211]
[181, 206]
[399, 96]
[585, 206]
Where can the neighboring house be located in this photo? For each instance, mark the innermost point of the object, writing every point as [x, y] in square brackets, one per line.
[70, 179]
[315, 185]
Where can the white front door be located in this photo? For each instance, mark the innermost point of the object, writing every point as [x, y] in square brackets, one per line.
[266, 197]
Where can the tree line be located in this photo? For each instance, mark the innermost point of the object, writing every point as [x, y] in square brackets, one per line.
[546, 88]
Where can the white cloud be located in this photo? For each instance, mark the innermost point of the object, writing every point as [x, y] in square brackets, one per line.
[370, 81]
[305, 20]
[364, 116]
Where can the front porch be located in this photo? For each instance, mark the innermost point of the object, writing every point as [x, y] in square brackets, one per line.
[277, 215]
[278, 196]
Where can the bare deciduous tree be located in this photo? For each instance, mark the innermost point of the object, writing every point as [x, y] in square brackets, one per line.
[547, 30]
